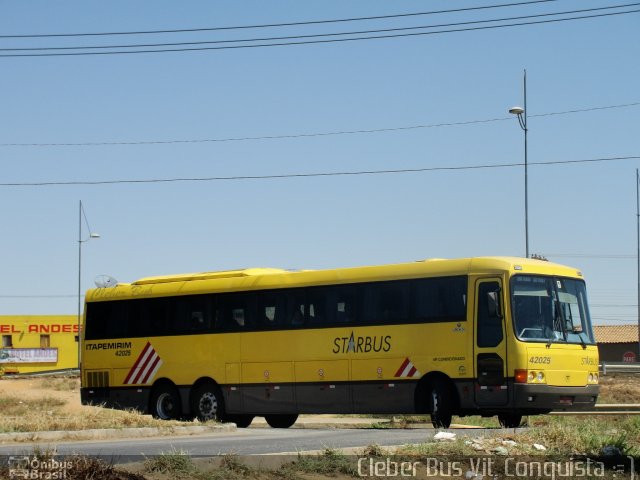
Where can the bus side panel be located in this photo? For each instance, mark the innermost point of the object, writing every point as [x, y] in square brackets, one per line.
[322, 386]
[268, 387]
[376, 391]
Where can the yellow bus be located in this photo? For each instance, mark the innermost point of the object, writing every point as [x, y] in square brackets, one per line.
[478, 336]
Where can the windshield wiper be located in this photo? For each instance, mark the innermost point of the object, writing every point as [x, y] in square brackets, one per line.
[551, 335]
[582, 342]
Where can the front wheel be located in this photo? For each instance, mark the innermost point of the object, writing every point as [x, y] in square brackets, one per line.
[440, 404]
[281, 421]
[165, 403]
[510, 420]
[207, 403]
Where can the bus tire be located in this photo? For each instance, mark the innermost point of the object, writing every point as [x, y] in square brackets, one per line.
[207, 402]
[440, 404]
[165, 402]
[241, 421]
[281, 420]
[510, 419]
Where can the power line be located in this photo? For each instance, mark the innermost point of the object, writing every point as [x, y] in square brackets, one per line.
[589, 255]
[322, 35]
[309, 42]
[37, 296]
[262, 137]
[290, 24]
[307, 175]
[314, 134]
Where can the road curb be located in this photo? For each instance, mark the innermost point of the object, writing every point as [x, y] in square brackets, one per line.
[104, 433]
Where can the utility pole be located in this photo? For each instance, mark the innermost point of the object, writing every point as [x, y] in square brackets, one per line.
[638, 254]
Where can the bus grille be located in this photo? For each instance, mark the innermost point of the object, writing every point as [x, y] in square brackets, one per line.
[97, 379]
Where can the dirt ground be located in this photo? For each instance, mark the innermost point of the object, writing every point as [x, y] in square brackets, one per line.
[66, 389]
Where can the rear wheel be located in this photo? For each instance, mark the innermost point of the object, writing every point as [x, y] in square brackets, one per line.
[241, 421]
[280, 420]
[440, 404]
[165, 403]
[207, 403]
[510, 420]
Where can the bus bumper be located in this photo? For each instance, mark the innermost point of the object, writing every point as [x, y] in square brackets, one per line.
[546, 397]
[119, 398]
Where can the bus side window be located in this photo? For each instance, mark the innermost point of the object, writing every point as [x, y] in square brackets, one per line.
[343, 304]
[440, 299]
[489, 315]
[158, 320]
[191, 314]
[97, 320]
[295, 308]
[270, 311]
[233, 312]
[316, 306]
[199, 314]
[341, 312]
[120, 321]
[238, 316]
[139, 318]
[386, 302]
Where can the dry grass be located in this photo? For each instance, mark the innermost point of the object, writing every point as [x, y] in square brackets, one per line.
[62, 384]
[620, 388]
[70, 468]
[49, 404]
[50, 414]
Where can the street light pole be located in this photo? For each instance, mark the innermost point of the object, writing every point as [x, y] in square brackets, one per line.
[522, 120]
[81, 216]
[638, 258]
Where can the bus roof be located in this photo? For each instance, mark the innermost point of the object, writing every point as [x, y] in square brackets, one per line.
[188, 277]
[273, 278]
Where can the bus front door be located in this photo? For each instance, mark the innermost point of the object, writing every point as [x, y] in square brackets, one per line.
[490, 345]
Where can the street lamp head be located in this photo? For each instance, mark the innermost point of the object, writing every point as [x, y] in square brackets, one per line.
[94, 235]
[516, 110]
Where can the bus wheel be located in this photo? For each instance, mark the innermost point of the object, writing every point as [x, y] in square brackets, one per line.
[440, 402]
[281, 421]
[207, 403]
[510, 420]
[165, 403]
[241, 421]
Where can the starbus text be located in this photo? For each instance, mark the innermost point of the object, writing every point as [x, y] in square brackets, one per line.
[362, 344]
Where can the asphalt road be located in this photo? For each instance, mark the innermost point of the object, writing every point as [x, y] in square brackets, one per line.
[252, 441]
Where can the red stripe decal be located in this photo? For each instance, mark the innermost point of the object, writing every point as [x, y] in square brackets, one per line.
[150, 370]
[412, 371]
[141, 370]
[135, 365]
[404, 365]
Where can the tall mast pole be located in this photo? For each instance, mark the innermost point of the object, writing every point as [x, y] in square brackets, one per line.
[638, 253]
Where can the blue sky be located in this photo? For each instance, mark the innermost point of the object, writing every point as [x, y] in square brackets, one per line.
[319, 222]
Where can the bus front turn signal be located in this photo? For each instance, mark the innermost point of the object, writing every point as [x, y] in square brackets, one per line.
[520, 376]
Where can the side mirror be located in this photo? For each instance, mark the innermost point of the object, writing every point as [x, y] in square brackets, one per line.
[493, 305]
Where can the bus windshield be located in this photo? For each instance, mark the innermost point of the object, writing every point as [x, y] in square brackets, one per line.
[551, 310]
